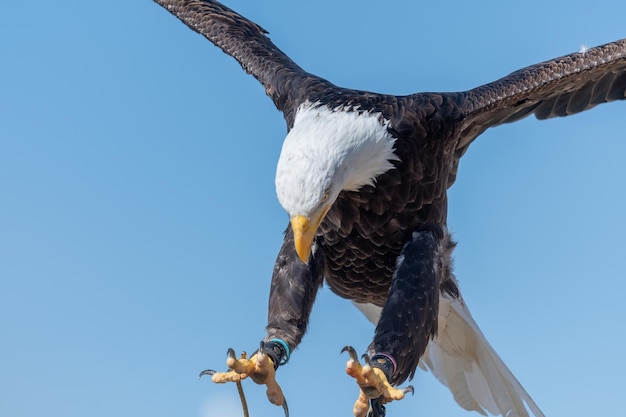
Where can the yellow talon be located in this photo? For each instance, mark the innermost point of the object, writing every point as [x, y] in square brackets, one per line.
[373, 385]
[260, 368]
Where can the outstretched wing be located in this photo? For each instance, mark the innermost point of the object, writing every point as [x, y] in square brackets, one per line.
[248, 43]
[560, 87]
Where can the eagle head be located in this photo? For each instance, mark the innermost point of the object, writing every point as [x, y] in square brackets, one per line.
[326, 152]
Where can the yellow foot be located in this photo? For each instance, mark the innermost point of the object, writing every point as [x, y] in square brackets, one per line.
[375, 388]
[260, 368]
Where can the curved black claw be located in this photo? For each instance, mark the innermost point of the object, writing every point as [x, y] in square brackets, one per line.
[351, 352]
[409, 389]
[209, 372]
[285, 408]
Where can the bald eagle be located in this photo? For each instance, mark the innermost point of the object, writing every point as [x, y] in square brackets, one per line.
[364, 179]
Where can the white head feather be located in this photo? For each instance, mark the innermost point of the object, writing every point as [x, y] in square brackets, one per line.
[329, 151]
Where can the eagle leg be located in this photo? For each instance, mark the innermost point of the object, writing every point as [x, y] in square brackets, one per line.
[375, 389]
[260, 368]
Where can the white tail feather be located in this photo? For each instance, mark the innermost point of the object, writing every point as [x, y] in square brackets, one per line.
[462, 359]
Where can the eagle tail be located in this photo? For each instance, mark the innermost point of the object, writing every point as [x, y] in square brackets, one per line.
[463, 360]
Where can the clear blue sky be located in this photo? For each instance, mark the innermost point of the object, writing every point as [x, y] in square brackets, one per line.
[139, 223]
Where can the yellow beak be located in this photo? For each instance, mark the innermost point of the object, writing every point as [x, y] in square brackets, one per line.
[304, 232]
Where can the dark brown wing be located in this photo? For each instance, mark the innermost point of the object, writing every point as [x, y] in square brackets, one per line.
[560, 87]
[248, 43]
